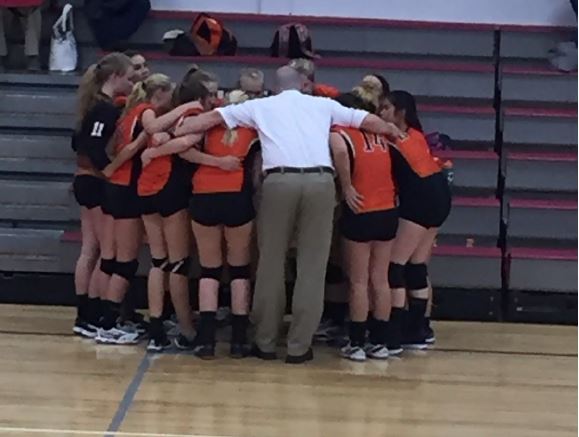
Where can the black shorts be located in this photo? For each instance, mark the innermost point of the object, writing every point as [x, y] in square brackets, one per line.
[227, 209]
[172, 198]
[122, 201]
[430, 207]
[88, 191]
[369, 226]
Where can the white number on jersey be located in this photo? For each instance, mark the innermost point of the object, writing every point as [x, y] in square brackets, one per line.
[97, 129]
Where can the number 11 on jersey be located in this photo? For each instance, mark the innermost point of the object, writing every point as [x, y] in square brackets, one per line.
[97, 129]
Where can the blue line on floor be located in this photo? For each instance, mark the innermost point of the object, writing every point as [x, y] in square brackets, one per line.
[129, 396]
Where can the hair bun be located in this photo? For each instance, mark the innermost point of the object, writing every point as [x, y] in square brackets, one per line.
[371, 86]
[368, 93]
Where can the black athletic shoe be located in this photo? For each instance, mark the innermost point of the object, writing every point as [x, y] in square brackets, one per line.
[205, 351]
[84, 329]
[239, 350]
[266, 356]
[429, 337]
[299, 359]
[394, 349]
[184, 344]
[157, 345]
[414, 342]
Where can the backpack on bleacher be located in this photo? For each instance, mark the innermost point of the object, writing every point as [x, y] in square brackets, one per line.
[207, 37]
[113, 22]
[292, 41]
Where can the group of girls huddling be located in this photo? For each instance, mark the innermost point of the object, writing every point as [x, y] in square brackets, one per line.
[135, 179]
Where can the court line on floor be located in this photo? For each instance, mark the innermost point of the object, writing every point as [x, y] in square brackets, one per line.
[89, 433]
[38, 333]
[521, 353]
[129, 396]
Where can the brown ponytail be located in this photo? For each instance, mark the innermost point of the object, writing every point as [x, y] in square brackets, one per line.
[95, 77]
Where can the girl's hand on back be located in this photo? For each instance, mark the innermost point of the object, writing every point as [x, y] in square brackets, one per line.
[395, 133]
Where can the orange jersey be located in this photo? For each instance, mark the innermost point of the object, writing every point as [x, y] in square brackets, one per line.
[415, 151]
[125, 133]
[209, 179]
[323, 90]
[155, 176]
[371, 168]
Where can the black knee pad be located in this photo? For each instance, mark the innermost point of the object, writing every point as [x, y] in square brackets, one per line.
[416, 276]
[127, 269]
[212, 273]
[180, 267]
[334, 274]
[239, 272]
[108, 266]
[396, 276]
[160, 263]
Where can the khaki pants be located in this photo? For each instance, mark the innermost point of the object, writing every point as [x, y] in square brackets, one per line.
[31, 21]
[304, 203]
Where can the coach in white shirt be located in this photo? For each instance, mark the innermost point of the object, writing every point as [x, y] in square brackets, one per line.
[298, 193]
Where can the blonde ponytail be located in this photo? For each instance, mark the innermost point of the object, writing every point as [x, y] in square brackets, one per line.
[144, 91]
[234, 97]
[138, 95]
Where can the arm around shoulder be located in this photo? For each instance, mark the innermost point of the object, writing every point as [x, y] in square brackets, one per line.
[199, 123]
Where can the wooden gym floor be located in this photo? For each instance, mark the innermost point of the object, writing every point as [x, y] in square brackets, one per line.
[482, 380]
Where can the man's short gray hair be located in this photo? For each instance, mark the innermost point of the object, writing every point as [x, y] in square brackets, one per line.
[289, 78]
[304, 66]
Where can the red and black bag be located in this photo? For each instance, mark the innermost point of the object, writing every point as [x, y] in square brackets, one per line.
[207, 37]
[292, 41]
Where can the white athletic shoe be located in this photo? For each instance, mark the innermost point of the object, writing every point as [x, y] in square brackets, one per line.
[394, 351]
[117, 335]
[376, 351]
[353, 353]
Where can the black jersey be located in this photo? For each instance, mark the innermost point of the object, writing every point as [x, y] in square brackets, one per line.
[97, 129]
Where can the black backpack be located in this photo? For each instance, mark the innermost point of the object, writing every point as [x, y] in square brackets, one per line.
[292, 41]
[113, 22]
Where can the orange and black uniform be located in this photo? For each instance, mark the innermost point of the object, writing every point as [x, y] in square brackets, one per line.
[221, 197]
[90, 143]
[121, 198]
[163, 185]
[371, 173]
[423, 191]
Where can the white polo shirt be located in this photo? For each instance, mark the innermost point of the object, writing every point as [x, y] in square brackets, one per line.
[294, 128]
